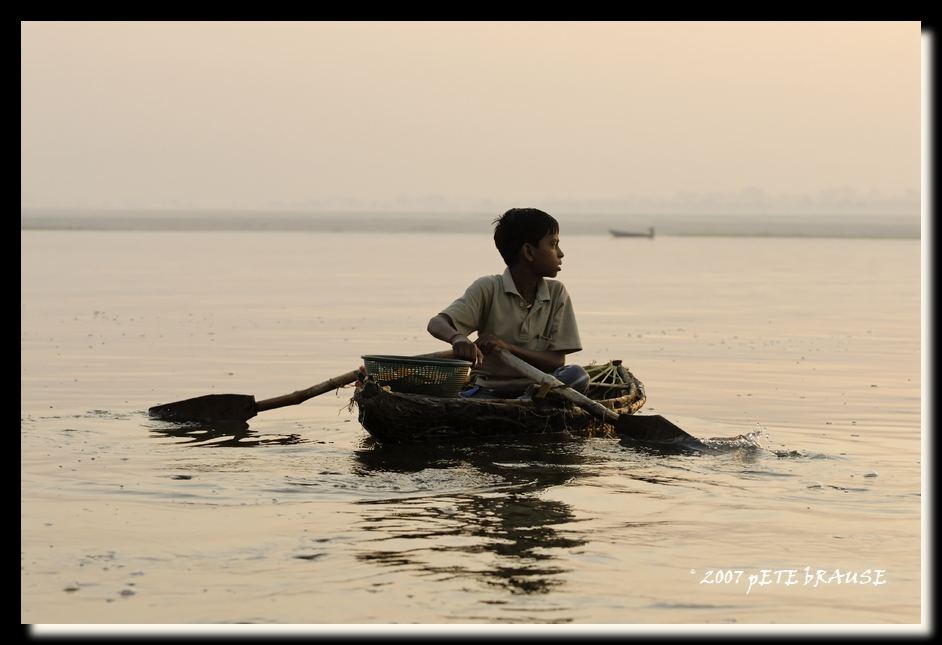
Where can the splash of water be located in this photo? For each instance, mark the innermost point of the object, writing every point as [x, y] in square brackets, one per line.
[753, 440]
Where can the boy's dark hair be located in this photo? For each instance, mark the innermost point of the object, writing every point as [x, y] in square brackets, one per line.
[519, 226]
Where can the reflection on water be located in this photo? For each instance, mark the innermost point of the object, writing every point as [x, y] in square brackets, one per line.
[500, 538]
[229, 434]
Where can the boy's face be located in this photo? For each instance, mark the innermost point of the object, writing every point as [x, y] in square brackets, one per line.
[547, 257]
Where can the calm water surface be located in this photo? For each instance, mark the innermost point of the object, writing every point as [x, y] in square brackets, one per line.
[810, 347]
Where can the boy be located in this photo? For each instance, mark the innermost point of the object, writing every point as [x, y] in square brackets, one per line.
[520, 311]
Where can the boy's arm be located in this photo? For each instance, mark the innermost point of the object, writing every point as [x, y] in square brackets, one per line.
[546, 361]
[443, 328]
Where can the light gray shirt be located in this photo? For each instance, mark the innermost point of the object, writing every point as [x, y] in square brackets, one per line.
[493, 305]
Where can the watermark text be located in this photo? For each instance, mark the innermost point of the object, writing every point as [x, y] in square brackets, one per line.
[806, 577]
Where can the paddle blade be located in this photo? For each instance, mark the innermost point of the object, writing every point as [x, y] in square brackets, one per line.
[655, 429]
[211, 407]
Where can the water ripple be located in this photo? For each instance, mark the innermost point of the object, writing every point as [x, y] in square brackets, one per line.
[235, 434]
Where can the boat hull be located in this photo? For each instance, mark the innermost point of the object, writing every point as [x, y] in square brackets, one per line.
[396, 417]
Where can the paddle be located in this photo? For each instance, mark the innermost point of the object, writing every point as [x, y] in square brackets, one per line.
[241, 407]
[653, 429]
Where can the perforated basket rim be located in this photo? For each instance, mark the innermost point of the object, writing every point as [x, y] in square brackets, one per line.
[412, 360]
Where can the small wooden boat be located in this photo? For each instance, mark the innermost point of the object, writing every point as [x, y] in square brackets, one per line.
[400, 417]
[649, 234]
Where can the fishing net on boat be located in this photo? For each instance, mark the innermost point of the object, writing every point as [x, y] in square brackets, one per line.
[611, 380]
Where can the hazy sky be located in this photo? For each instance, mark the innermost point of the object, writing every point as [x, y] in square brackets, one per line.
[400, 115]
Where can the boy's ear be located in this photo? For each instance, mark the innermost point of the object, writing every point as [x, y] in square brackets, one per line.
[526, 251]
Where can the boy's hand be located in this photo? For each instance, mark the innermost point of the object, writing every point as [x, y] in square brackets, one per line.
[488, 343]
[465, 350]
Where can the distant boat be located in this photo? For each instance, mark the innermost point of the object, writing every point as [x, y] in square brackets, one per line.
[650, 233]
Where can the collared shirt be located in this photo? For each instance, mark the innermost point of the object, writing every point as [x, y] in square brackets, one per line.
[493, 305]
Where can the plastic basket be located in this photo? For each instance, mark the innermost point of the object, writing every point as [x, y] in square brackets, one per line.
[429, 376]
